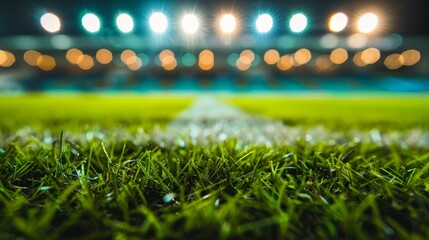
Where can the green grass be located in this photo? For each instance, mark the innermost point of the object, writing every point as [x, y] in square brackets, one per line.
[114, 189]
[69, 111]
[393, 111]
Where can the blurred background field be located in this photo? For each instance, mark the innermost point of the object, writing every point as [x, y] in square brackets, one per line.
[109, 111]
[336, 111]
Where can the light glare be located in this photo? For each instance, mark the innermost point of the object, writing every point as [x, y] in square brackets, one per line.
[338, 22]
[190, 23]
[367, 23]
[91, 23]
[264, 23]
[228, 23]
[50, 22]
[125, 23]
[298, 23]
[158, 22]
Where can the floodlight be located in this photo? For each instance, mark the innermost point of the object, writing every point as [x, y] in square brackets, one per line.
[190, 23]
[338, 22]
[228, 23]
[367, 23]
[158, 22]
[298, 23]
[91, 23]
[125, 23]
[50, 22]
[264, 23]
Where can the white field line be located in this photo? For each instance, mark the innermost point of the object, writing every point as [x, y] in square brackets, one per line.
[209, 121]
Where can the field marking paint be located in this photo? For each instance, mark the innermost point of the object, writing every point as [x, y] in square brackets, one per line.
[209, 121]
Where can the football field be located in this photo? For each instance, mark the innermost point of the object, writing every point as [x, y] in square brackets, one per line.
[243, 119]
[214, 166]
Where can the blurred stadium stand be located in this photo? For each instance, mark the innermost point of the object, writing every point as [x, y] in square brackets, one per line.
[319, 73]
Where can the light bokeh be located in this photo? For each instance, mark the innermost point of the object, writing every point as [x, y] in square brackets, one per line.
[228, 23]
[104, 56]
[31, 56]
[190, 23]
[158, 22]
[125, 23]
[339, 56]
[298, 23]
[73, 55]
[46, 63]
[271, 56]
[338, 22]
[50, 22]
[264, 23]
[91, 23]
[368, 22]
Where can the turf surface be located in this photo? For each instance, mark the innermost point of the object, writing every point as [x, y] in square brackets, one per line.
[49, 111]
[111, 187]
[342, 112]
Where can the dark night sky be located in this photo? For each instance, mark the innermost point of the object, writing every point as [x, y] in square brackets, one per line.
[17, 17]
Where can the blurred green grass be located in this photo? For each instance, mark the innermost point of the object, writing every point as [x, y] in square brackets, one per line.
[389, 111]
[106, 111]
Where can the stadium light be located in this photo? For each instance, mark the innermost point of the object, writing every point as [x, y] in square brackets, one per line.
[50, 22]
[367, 23]
[264, 23]
[338, 22]
[190, 23]
[125, 23]
[228, 23]
[298, 23]
[158, 22]
[91, 22]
